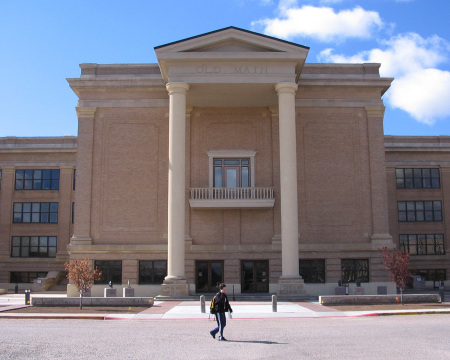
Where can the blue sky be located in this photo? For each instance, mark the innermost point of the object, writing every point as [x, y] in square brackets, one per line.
[43, 42]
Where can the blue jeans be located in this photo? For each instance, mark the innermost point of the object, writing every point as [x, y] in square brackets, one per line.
[221, 323]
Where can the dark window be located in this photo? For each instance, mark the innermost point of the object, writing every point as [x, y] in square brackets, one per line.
[33, 246]
[355, 269]
[111, 271]
[422, 244]
[37, 180]
[312, 271]
[432, 274]
[74, 178]
[26, 276]
[35, 213]
[418, 178]
[417, 211]
[152, 272]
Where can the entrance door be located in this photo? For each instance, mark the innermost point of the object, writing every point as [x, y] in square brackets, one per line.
[209, 274]
[255, 276]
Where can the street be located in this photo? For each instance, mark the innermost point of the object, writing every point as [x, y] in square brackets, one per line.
[385, 337]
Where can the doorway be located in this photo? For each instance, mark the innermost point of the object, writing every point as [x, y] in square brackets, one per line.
[209, 274]
[255, 276]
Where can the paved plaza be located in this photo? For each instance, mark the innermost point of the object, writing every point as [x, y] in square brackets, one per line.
[191, 310]
[372, 337]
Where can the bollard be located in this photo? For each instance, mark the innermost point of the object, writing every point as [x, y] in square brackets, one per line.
[202, 303]
[274, 303]
[442, 292]
[27, 297]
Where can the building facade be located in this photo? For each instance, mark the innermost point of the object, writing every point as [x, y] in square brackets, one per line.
[230, 160]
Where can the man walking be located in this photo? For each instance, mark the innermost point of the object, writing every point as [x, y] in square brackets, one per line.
[221, 306]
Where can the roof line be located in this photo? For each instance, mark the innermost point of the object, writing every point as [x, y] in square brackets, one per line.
[227, 28]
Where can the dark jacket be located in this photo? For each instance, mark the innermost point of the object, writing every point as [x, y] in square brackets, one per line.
[221, 303]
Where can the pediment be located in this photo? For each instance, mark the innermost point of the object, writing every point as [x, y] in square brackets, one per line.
[226, 51]
[231, 39]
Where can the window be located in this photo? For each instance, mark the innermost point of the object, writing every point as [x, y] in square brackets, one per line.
[33, 246]
[26, 276]
[418, 178]
[422, 244]
[432, 274]
[37, 180]
[74, 178]
[152, 272]
[231, 173]
[417, 211]
[36, 213]
[73, 212]
[111, 271]
[0, 179]
[355, 269]
[312, 271]
[231, 168]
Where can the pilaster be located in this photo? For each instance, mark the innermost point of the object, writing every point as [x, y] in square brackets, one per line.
[83, 194]
[378, 187]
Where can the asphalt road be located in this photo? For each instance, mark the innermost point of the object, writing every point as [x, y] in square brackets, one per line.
[389, 337]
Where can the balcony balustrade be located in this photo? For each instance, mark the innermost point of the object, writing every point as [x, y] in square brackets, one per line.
[232, 198]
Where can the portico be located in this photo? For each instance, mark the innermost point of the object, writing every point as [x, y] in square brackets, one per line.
[232, 68]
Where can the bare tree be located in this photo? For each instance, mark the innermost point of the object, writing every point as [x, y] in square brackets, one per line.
[79, 271]
[396, 263]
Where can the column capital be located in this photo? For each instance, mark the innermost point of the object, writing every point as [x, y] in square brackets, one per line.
[86, 112]
[375, 111]
[177, 87]
[286, 87]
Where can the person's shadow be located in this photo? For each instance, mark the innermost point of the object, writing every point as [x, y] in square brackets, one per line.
[257, 342]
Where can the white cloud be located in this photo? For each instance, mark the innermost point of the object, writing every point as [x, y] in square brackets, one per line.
[419, 88]
[321, 23]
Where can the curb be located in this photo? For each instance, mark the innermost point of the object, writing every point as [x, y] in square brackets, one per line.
[114, 317]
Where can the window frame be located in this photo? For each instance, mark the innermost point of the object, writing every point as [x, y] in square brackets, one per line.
[51, 215]
[152, 272]
[355, 270]
[110, 271]
[422, 243]
[315, 268]
[25, 246]
[419, 211]
[231, 154]
[417, 178]
[37, 177]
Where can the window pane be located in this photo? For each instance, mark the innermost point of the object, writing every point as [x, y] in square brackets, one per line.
[231, 178]
[245, 177]
[218, 177]
[231, 162]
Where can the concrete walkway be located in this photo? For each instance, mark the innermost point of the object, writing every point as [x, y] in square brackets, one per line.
[190, 310]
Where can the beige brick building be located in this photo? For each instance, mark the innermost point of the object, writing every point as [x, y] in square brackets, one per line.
[230, 160]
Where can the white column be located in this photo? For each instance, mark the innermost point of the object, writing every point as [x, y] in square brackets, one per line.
[288, 178]
[176, 201]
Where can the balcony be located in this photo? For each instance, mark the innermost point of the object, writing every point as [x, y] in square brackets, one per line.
[232, 198]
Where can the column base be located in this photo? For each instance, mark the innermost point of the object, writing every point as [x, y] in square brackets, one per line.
[80, 240]
[291, 287]
[175, 286]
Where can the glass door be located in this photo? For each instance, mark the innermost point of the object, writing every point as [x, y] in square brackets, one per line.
[209, 274]
[255, 276]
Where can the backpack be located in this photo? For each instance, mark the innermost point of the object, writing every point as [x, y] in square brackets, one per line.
[212, 307]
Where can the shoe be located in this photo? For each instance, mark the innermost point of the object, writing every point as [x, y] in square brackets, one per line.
[222, 339]
[213, 335]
